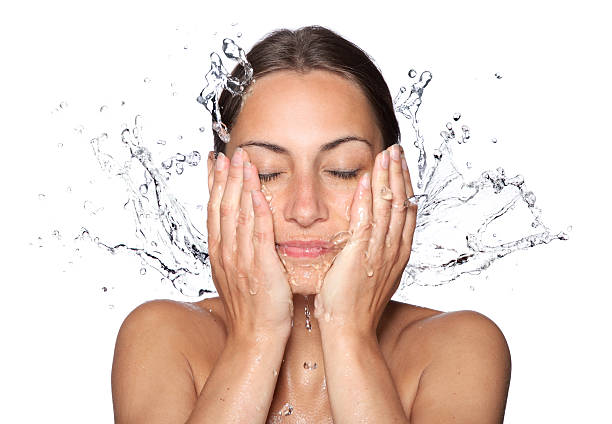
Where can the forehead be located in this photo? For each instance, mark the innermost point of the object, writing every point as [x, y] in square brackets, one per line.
[305, 109]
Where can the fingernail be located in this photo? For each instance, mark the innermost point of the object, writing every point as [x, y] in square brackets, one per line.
[384, 161]
[220, 162]
[365, 180]
[395, 152]
[255, 198]
[404, 164]
[246, 171]
[236, 159]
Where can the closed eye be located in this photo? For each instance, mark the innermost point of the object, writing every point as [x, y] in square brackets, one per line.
[345, 175]
[264, 178]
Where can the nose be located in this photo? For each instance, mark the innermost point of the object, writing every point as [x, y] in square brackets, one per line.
[305, 205]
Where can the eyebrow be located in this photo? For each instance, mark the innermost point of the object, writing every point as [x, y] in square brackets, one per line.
[324, 148]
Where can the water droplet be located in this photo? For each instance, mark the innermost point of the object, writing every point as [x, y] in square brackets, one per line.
[179, 138]
[63, 105]
[42, 196]
[493, 140]
[239, 35]
[103, 108]
[193, 158]
[167, 164]
[147, 80]
[310, 365]
[457, 116]
[104, 289]
[60, 145]
[498, 75]
[402, 89]
[449, 126]
[370, 272]
[386, 193]
[529, 198]
[287, 409]
[162, 142]
[143, 271]
[468, 165]
[274, 373]
[143, 189]
[412, 73]
[202, 129]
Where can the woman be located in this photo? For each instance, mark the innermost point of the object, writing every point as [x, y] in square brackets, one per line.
[308, 211]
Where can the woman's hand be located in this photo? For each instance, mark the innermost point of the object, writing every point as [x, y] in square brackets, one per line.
[246, 270]
[368, 270]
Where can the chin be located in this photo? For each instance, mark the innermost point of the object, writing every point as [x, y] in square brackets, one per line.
[304, 288]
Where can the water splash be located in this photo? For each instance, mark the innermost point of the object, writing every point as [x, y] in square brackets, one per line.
[462, 227]
[219, 79]
[459, 221]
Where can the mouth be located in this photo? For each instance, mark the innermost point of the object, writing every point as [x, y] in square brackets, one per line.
[304, 248]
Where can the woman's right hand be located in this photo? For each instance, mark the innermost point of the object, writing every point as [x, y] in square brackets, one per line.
[246, 270]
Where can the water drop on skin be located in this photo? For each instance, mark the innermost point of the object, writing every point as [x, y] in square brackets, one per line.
[370, 272]
[143, 271]
[457, 116]
[412, 73]
[386, 193]
[286, 410]
[493, 140]
[307, 315]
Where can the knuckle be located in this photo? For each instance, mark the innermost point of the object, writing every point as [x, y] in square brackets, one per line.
[260, 237]
[243, 217]
[226, 210]
[384, 211]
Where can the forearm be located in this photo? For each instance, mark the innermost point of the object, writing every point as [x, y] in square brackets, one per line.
[241, 385]
[359, 384]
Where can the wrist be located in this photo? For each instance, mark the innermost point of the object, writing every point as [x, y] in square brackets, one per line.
[336, 329]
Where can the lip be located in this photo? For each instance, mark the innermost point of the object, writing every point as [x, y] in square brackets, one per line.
[304, 248]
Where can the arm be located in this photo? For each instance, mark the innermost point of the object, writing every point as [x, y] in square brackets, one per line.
[359, 384]
[153, 382]
[152, 377]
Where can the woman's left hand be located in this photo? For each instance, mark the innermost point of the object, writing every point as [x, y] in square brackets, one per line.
[368, 270]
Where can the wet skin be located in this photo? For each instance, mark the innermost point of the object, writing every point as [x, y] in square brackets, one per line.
[377, 360]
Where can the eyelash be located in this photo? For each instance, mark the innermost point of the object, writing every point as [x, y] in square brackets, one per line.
[344, 175]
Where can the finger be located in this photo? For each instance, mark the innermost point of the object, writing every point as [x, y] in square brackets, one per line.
[398, 210]
[214, 202]
[211, 168]
[411, 210]
[361, 210]
[246, 215]
[381, 204]
[265, 255]
[230, 205]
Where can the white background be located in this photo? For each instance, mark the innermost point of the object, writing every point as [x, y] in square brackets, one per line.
[550, 112]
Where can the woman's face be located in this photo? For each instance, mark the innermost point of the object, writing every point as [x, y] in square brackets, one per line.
[311, 137]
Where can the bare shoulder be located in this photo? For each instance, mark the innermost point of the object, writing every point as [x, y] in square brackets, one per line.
[153, 367]
[464, 363]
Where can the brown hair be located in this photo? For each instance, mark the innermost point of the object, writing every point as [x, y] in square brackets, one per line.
[315, 48]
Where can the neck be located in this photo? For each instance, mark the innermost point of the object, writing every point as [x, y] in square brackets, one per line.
[303, 347]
